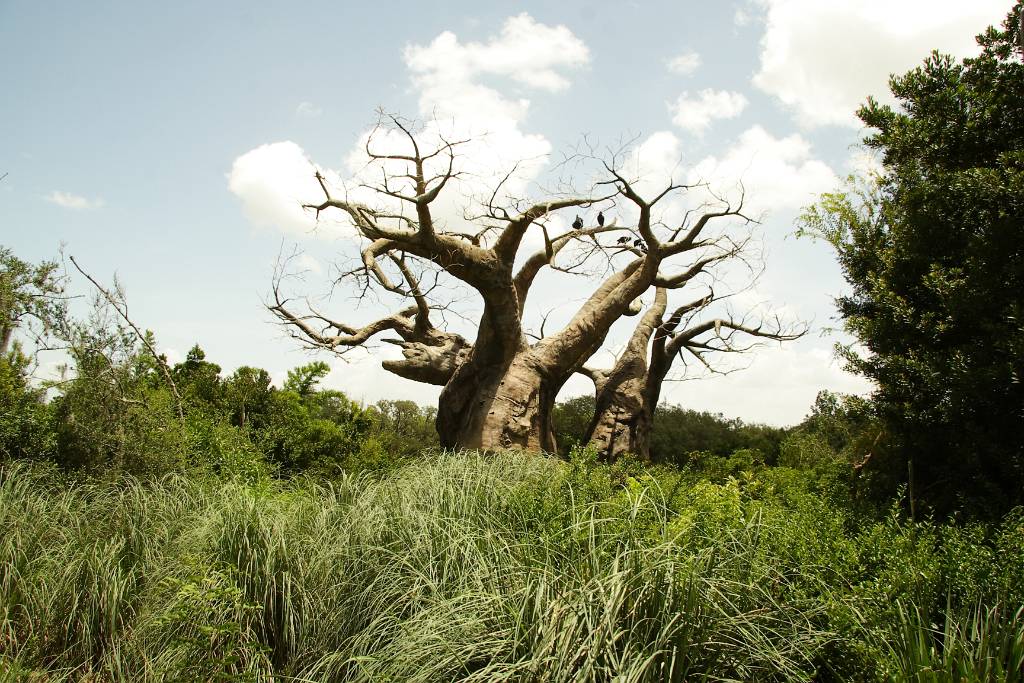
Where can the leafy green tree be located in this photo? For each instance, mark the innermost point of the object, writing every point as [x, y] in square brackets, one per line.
[679, 431]
[839, 429]
[31, 298]
[840, 421]
[113, 412]
[199, 380]
[300, 427]
[571, 418]
[401, 429]
[303, 379]
[31, 301]
[25, 425]
[933, 249]
[248, 395]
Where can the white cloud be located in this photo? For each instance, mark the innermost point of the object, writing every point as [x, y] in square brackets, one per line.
[273, 181]
[656, 161]
[822, 59]
[447, 72]
[695, 114]
[684, 63]
[776, 173]
[456, 104]
[73, 201]
[526, 51]
[308, 110]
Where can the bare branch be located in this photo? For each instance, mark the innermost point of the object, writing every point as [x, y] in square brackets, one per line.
[120, 305]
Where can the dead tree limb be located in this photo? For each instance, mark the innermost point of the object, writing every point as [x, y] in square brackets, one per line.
[121, 307]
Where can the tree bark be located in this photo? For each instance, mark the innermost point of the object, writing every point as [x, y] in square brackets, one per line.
[624, 413]
[503, 396]
[627, 395]
[499, 406]
[432, 360]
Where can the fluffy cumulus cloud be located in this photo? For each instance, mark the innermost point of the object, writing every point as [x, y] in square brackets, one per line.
[695, 113]
[657, 161]
[532, 54]
[685, 63]
[777, 174]
[774, 175]
[73, 201]
[822, 59]
[459, 99]
[272, 182]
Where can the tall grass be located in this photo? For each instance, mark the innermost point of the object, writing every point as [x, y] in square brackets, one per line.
[461, 567]
[978, 643]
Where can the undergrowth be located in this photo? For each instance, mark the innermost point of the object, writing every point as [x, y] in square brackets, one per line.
[494, 567]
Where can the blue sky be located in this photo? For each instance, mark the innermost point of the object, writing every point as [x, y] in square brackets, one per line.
[127, 130]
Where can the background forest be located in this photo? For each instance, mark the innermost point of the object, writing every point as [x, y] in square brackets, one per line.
[169, 521]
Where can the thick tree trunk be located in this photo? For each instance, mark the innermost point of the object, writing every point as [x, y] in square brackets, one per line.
[499, 397]
[493, 406]
[503, 395]
[623, 420]
[625, 396]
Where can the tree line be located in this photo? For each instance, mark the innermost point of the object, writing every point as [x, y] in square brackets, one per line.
[112, 409]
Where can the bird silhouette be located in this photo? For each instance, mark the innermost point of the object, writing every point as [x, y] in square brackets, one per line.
[578, 223]
[623, 239]
[600, 218]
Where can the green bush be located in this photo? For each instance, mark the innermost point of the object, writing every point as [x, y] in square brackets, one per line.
[26, 429]
[503, 566]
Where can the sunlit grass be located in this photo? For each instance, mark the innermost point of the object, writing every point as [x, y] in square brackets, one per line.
[460, 567]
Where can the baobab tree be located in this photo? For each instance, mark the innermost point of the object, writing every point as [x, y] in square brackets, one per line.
[627, 395]
[499, 389]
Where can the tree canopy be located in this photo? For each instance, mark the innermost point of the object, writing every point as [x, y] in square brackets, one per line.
[932, 248]
[658, 237]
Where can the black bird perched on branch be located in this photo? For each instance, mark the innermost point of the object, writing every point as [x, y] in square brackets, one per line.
[623, 239]
[600, 218]
[578, 223]
[639, 244]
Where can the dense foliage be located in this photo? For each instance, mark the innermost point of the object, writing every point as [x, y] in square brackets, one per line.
[114, 412]
[933, 251]
[496, 567]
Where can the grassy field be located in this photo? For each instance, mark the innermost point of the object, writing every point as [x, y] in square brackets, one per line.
[500, 567]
